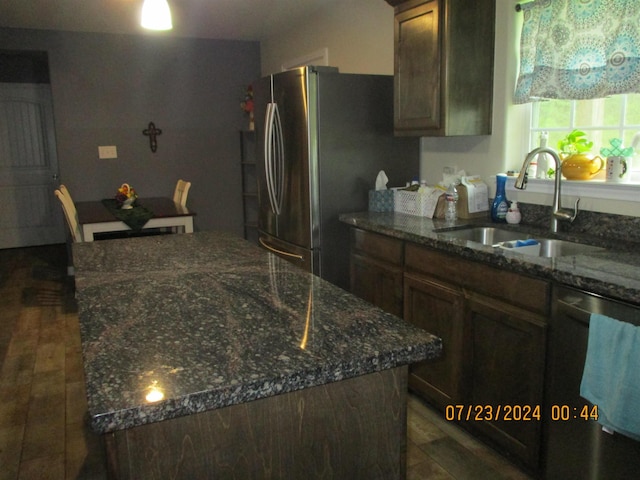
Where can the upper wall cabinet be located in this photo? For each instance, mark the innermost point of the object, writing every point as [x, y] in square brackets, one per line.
[443, 67]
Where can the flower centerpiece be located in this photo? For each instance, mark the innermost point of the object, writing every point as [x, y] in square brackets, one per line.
[126, 196]
[247, 105]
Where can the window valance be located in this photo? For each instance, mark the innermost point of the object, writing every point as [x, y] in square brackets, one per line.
[579, 49]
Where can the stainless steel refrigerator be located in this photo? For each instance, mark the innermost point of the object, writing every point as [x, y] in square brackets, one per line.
[322, 136]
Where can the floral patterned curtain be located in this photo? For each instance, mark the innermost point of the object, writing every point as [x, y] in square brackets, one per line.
[579, 49]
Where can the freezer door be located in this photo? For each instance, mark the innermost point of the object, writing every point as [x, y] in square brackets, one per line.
[284, 164]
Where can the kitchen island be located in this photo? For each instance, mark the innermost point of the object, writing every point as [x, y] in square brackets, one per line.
[207, 357]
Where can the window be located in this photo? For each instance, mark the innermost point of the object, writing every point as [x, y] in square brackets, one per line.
[601, 119]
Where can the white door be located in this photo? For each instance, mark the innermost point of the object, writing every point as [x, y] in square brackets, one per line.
[29, 211]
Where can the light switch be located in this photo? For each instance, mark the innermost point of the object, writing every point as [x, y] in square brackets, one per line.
[108, 152]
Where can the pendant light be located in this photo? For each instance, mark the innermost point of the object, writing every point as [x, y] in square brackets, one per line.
[156, 15]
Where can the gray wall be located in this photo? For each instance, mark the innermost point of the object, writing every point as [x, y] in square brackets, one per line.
[107, 88]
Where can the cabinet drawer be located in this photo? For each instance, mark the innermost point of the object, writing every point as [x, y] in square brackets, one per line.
[377, 246]
[529, 293]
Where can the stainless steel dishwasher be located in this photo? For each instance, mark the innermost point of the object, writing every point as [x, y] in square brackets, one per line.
[576, 448]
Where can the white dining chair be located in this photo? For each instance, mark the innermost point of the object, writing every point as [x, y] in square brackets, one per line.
[71, 215]
[181, 192]
[65, 190]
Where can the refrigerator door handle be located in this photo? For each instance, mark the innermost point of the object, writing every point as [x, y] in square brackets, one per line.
[278, 146]
[281, 252]
[274, 157]
[268, 156]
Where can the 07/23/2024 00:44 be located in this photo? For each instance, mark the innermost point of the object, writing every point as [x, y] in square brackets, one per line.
[519, 413]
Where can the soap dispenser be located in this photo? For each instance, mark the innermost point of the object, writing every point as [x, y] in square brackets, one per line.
[513, 214]
[500, 204]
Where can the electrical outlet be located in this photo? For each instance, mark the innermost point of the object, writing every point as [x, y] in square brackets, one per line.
[108, 152]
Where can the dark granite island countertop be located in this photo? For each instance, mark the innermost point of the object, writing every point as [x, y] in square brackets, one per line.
[211, 321]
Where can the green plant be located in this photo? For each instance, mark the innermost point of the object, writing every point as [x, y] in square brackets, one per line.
[575, 142]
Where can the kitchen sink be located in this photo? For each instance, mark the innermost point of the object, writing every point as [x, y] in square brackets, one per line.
[485, 235]
[550, 247]
[522, 243]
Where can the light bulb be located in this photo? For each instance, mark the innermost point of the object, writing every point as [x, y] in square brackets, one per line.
[156, 15]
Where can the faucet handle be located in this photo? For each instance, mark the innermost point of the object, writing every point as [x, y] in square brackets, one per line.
[575, 210]
[566, 214]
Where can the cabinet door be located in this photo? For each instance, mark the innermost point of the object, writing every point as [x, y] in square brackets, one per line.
[377, 282]
[417, 67]
[376, 269]
[507, 345]
[439, 309]
[444, 54]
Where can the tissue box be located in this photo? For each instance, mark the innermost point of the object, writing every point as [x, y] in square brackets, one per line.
[381, 200]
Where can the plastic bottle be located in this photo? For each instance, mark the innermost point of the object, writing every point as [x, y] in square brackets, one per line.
[542, 164]
[532, 172]
[451, 208]
[500, 204]
[513, 214]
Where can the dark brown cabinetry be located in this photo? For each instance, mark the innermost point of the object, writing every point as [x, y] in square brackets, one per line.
[443, 67]
[493, 326]
[376, 269]
[439, 309]
[507, 346]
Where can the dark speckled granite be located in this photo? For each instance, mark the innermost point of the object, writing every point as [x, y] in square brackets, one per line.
[614, 272]
[215, 321]
[611, 230]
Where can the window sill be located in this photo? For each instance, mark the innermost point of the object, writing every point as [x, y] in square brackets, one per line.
[593, 188]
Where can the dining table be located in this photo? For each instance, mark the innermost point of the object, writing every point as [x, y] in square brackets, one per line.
[103, 216]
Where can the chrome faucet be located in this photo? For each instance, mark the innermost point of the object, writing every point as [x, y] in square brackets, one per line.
[557, 213]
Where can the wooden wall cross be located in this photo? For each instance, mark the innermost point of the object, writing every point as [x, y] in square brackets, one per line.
[152, 132]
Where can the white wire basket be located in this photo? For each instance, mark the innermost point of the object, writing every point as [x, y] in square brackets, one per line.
[412, 203]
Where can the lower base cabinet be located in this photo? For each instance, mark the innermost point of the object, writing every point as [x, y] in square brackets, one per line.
[506, 375]
[493, 324]
[439, 309]
[376, 270]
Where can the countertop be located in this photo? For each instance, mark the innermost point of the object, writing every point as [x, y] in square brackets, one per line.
[614, 272]
[211, 320]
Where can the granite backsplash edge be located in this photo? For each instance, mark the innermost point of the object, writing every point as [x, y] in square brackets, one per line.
[607, 227]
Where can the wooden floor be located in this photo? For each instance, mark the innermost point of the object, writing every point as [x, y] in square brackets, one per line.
[440, 450]
[43, 410]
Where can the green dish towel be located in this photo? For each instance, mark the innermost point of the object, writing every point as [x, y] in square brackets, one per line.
[135, 217]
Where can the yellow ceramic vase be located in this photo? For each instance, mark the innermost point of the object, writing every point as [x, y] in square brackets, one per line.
[581, 166]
